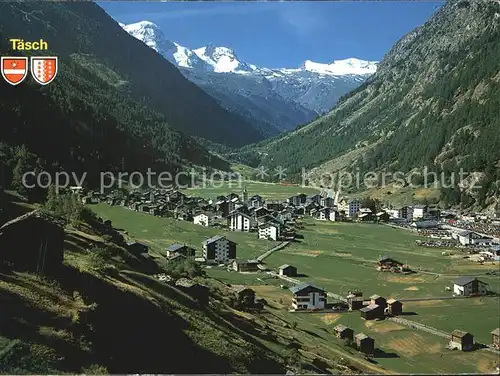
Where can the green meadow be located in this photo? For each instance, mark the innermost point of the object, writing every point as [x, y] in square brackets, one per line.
[339, 256]
[270, 191]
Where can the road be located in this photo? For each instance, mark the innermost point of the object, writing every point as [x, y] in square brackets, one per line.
[272, 250]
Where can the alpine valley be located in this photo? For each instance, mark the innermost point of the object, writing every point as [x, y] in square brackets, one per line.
[433, 103]
[275, 100]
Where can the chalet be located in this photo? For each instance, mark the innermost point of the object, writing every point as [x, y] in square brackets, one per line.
[255, 202]
[287, 270]
[25, 239]
[378, 300]
[433, 213]
[218, 249]
[176, 258]
[203, 219]
[225, 207]
[154, 210]
[245, 265]
[468, 286]
[327, 202]
[182, 214]
[420, 211]
[297, 200]
[244, 293]
[404, 212]
[137, 248]
[461, 340]
[365, 217]
[232, 196]
[365, 211]
[372, 312]
[180, 249]
[394, 307]
[176, 196]
[270, 230]
[343, 332]
[471, 238]
[273, 205]
[285, 215]
[300, 210]
[197, 291]
[383, 216]
[260, 212]
[239, 221]
[313, 198]
[495, 338]
[364, 343]
[327, 214]
[308, 296]
[257, 197]
[354, 301]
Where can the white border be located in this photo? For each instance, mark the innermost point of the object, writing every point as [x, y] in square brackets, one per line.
[33, 72]
[17, 58]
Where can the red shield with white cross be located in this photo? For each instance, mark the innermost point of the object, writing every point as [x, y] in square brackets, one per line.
[44, 69]
[14, 69]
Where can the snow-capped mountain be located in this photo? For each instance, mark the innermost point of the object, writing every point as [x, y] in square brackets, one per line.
[298, 94]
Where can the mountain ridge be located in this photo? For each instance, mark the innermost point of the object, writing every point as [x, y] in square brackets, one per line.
[431, 103]
[297, 95]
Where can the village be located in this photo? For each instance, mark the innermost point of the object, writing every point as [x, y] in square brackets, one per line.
[279, 221]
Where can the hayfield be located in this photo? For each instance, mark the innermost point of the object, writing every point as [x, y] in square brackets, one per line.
[270, 191]
[400, 349]
[340, 257]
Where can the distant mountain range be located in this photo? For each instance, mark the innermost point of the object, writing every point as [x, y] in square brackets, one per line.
[432, 105]
[275, 100]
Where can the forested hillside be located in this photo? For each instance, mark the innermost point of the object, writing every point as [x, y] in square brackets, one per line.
[433, 102]
[114, 105]
[85, 28]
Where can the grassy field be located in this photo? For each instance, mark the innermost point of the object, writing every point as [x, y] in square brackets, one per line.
[339, 257]
[478, 316]
[402, 349]
[335, 255]
[270, 191]
[159, 233]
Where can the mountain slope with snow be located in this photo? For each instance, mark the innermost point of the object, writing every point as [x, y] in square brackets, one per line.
[277, 99]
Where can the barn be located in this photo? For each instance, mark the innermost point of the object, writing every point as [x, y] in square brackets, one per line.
[364, 343]
[33, 242]
[372, 312]
[461, 340]
[394, 307]
[288, 270]
[343, 332]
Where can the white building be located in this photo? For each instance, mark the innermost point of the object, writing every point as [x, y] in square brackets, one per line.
[218, 249]
[238, 221]
[326, 214]
[308, 296]
[350, 207]
[203, 219]
[471, 238]
[467, 286]
[419, 211]
[270, 230]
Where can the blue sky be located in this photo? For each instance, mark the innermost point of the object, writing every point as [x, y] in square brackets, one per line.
[283, 34]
